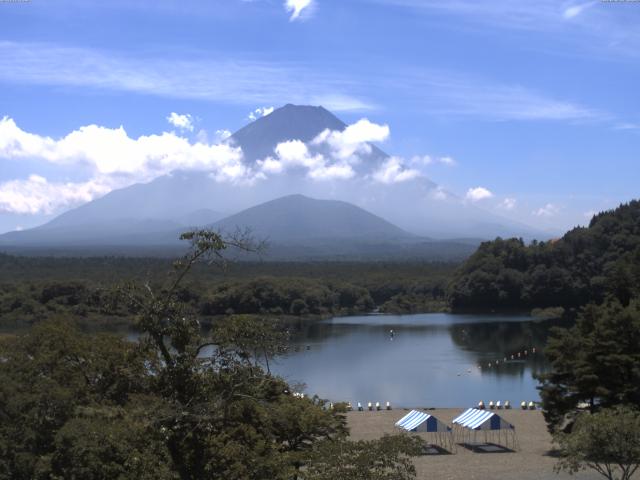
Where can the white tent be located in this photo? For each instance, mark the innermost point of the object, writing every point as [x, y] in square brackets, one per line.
[417, 421]
[471, 421]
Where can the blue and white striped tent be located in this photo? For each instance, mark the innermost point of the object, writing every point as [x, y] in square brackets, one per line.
[476, 420]
[417, 421]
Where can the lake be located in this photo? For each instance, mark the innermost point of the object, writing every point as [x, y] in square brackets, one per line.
[431, 360]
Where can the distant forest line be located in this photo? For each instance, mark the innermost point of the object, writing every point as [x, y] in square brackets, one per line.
[35, 288]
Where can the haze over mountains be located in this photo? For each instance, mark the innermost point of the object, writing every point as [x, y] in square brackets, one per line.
[294, 151]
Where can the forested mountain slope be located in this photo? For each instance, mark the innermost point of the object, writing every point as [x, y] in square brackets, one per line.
[585, 265]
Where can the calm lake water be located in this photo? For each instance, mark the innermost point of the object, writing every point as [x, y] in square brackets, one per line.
[431, 361]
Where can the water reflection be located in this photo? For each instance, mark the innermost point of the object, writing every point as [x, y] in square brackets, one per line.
[431, 360]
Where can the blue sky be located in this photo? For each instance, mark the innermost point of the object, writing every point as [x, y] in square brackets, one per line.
[537, 102]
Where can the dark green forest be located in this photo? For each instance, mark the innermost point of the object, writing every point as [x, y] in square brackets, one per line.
[36, 288]
[586, 265]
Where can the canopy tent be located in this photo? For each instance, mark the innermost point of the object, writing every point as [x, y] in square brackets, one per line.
[473, 420]
[417, 421]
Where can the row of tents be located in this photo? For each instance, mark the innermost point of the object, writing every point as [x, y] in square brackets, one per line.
[473, 427]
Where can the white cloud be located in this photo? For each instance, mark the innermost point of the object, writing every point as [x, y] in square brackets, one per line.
[335, 152]
[295, 154]
[601, 32]
[393, 171]
[508, 203]
[182, 122]
[220, 78]
[451, 93]
[332, 154]
[297, 7]
[112, 160]
[478, 193]
[352, 140]
[112, 151]
[222, 135]
[590, 214]
[429, 160]
[259, 112]
[549, 210]
[36, 195]
[341, 103]
[575, 10]
[336, 171]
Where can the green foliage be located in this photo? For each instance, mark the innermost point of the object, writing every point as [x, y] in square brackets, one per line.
[585, 265]
[384, 459]
[175, 405]
[35, 289]
[295, 296]
[46, 377]
[596, 361]
[102, 443]
[607, 442]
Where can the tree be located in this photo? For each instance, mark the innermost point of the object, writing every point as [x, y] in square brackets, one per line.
[48, 376]
[385, 459]
[102, 443]
[607, 441]
[223, 416]
[585, 265]
[597, 361]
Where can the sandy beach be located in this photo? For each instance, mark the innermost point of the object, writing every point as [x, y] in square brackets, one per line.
[531, 461]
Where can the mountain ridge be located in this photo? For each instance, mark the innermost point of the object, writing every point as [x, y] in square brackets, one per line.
[296, 217]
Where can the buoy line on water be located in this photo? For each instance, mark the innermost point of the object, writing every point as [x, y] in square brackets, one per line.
[516, 357]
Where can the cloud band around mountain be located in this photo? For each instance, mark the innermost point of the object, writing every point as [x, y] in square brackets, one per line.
[115, 160]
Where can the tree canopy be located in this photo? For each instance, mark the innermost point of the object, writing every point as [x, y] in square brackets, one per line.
[597, 361]
[607, 442]
[585, 265]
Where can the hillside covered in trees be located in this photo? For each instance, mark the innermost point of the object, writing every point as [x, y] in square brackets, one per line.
[585, 265]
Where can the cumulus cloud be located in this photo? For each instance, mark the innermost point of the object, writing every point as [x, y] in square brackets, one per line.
[478, 193]
[508, 203]
[112, 160]
[353, 140]
[394, 171]
[222, 134]
[294, 154]
[112, 151]
[549, 210]
[332, 154]
[182, 122]
[259, 113]
[37, 195]
[297, 7]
